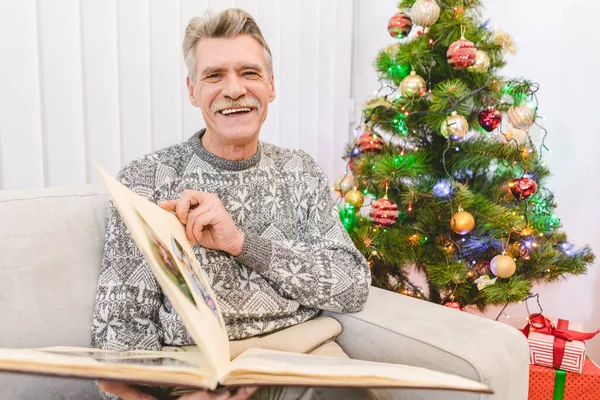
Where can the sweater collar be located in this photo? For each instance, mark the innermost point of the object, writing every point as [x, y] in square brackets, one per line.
[222, 163]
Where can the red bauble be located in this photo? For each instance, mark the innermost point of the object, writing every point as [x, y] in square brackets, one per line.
[399, 26]
[490, 119]
[453, 304]
[384, 212]
[370, 142]
[461, 54]
[522, 188]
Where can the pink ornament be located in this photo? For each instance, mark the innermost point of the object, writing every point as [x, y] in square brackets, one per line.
[461, 54]
[384, 212]
[370, 142]
[399, 26]
[522, 188]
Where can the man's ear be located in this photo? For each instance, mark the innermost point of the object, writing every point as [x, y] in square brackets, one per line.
[191, 95]
[272, 83]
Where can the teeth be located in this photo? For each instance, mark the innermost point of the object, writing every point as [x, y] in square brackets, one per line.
[234, 110]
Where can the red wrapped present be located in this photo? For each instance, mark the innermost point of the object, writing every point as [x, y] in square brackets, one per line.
[556, 343]
[555, 384]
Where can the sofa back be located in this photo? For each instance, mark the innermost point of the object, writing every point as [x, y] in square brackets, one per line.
[51, 242]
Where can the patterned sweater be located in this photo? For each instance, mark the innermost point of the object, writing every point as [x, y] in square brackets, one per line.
[296, 259]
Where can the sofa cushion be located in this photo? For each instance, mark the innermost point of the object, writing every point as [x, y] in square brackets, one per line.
[52, 243]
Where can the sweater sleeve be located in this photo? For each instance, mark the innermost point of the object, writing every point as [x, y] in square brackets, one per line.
[322, 269]
[128, 298]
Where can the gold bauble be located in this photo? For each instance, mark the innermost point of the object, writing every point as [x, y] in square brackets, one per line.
[503, 266]
[482, 62]
[378, 102]
[501, 38]
[462, 222]
[347, 184]
[455, 127]
[425, 12]
[413, 85]
[515, 135]
[355, 197]
[521, 116]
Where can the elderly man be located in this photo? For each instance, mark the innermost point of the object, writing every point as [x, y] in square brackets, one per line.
[261, 217]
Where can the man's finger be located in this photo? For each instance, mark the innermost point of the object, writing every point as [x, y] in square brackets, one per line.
[188, 200]
[182, 208]
[200, 222]
[193, 231]
[203, 208]
[244, 393]
[204, 395]
[198, 219]
[168, 205]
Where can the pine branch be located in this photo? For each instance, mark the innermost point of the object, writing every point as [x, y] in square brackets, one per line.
[509, 291]
[478, 168]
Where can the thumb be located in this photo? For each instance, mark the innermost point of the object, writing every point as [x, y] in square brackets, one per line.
[168, 205]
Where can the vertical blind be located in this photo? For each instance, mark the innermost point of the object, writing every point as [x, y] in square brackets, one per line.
[84, 81]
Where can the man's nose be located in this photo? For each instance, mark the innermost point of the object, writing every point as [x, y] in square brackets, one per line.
[234, 87]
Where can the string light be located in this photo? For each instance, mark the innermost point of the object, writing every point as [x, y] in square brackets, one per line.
[537, 221]
[567, 248]
[442, 189]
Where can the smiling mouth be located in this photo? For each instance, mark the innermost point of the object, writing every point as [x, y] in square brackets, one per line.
[235, 111]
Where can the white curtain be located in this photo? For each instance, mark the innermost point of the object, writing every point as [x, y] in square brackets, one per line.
[104, 80]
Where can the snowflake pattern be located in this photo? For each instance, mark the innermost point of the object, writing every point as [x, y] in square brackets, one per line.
[106, 322]
[240, 204]
[274, 284]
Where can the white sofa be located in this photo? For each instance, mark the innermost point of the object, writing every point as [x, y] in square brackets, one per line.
[51, 242]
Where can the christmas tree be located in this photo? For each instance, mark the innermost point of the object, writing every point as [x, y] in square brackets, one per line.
[443, 175]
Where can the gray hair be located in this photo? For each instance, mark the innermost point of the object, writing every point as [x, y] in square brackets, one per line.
[226, 24]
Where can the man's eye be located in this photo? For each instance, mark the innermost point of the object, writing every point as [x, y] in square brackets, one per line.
[250, 73]
[212, 76]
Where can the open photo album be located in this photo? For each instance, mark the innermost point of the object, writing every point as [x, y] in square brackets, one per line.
[161, 238]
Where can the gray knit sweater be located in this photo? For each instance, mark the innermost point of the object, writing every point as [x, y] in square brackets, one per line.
[296, 258]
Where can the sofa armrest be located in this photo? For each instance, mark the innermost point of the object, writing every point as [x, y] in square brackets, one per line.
[400, 329]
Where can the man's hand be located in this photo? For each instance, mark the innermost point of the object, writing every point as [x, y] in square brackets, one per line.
[129, 392]
[206, 221]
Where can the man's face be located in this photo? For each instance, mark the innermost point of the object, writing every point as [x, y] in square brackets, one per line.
[233, 87]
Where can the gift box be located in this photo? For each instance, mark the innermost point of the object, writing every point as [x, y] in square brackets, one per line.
[556, 343]
[554, 384]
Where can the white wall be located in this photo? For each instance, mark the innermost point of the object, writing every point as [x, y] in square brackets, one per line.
[564, 62]
[90, 80]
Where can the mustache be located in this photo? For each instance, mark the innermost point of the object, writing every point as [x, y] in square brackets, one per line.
[225, 103]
